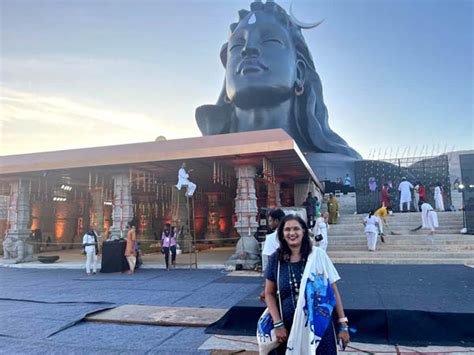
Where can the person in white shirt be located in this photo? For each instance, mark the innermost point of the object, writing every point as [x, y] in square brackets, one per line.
[89, 243]
[405, 188]
[371, 223]
[429, 217]
[321, 228]
[183, 180]
[438, 197]
[271, 241]
[416, 193]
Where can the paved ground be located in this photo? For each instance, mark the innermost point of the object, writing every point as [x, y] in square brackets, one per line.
[41, 311]
[73, 259]
[38, 309]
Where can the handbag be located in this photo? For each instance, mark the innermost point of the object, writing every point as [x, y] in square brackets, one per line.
[266, 337]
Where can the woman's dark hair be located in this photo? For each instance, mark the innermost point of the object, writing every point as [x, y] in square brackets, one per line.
[284, 251]
[371, 213]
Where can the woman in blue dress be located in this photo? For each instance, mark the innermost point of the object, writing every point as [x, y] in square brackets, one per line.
[291, 259]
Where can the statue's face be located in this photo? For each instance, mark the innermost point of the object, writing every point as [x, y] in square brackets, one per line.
[261, 62]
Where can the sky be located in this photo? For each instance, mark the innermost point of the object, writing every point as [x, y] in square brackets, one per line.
[396, 74]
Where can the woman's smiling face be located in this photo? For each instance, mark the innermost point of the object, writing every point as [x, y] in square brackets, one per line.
[293, 233]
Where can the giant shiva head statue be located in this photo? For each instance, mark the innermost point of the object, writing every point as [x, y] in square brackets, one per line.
[271, 82]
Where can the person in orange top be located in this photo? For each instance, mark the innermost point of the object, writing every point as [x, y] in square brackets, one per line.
[130, 248]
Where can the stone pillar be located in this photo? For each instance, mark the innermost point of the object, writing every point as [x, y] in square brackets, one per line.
[96, 211]
[273, 195]
[246, 201]
[213, 227]
[15, 245]
[122, 212]
[247, 251]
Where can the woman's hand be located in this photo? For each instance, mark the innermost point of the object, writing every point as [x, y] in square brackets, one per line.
[281, 334]
[344, 335]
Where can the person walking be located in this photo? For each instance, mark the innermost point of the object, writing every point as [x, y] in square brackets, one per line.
[295, 266]
[130, 248]
[321, 228]
[416, 195]
[438, 197]
[333, 209]
[91, 248]
[310, 203]
[385, 196]
[168, 243]
[405, 188]
[371, 222]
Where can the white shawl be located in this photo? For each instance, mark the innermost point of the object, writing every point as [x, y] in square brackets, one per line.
[308, 322]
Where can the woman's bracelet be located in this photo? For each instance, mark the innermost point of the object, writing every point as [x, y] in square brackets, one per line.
[279, 324]
[343, 328]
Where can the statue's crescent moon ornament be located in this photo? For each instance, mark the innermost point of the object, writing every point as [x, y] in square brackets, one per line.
[300, 24]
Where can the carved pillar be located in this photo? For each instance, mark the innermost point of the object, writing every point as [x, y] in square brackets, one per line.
[122, 212]
[19, 220]
[246, 201]
[273, 195]
[213, 227]
[247, 250]
[96, 211]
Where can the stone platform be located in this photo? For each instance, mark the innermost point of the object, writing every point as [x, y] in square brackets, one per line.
[159, 315]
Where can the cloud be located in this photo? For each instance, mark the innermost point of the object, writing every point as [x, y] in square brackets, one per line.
[58, 122]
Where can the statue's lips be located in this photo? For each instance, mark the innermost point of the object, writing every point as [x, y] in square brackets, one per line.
[249, 66]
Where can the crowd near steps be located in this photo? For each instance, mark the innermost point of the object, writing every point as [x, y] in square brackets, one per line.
[404, 242]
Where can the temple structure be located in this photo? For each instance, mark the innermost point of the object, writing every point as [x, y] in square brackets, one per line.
[61, 193]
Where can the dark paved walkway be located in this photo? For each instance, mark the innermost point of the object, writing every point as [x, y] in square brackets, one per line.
[41, 310]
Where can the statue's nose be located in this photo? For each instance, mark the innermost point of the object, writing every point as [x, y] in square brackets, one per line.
[250, 50]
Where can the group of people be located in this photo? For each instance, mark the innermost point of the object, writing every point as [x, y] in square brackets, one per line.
[90, 247]
[90, 243]
[312, 206]
[374, 222]
[298, 276]
[418, 198]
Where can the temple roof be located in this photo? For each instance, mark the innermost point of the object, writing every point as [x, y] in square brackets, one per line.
[166, 156]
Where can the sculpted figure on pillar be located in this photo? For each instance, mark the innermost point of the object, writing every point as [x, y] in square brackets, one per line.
[271, 82]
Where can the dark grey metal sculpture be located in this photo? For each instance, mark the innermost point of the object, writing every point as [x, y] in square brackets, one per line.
[271, 82]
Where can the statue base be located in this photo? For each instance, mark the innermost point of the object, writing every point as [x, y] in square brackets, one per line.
[329, 166]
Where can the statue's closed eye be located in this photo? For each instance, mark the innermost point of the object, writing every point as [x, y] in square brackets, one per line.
[272, 41]
[236, 46]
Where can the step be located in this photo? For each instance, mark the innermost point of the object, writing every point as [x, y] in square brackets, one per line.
[379, 260]
[402, 254]
[395, 248]
[406, 232]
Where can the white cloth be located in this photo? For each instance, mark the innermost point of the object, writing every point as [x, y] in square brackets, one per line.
[183, 180]
[416, 193]
[429, 217]
[271, 244]
[302, 339]
[91, 256]
[405, 193]
[371, 240]
[321, 227]
[438, 197]
[371, 224]
[91, 260]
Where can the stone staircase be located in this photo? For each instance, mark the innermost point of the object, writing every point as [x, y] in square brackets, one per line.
[348, 244]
